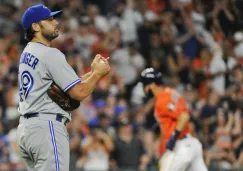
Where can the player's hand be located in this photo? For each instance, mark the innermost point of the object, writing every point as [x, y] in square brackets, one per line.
[100, 65]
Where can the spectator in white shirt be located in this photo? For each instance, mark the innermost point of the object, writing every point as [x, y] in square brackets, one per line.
[128, 63]
[84, 39]
[93, 15]
[238, 50]
[128, 21]
[217, 68]
[96, 149]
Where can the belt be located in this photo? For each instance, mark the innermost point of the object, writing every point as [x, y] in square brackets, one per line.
[185, 136]
[58, 117]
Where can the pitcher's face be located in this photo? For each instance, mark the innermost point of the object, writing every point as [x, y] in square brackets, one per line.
[49, 28]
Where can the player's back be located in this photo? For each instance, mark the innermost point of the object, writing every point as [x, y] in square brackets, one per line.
[168, 107]
[34, 79]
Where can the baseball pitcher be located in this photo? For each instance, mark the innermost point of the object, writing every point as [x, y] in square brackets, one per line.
[49, 90]
[179, 150]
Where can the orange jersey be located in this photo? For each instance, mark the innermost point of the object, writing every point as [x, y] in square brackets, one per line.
[168, 107]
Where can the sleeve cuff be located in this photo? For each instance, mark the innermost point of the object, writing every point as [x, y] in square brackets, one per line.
[71, 85]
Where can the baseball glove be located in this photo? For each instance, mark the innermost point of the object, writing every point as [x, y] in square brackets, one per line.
[61, 98]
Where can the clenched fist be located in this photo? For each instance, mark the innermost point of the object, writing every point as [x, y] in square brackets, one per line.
[100, 65]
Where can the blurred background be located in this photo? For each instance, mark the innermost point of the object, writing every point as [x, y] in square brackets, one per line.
[196, 44]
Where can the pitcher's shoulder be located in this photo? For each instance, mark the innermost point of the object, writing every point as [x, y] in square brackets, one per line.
[55, 50]
[55, 53]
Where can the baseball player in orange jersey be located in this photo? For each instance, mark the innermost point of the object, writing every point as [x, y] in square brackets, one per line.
[179, 150]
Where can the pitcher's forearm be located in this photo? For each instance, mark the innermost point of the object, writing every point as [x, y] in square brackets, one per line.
[85, 88]
[86, 76]
[89, 84]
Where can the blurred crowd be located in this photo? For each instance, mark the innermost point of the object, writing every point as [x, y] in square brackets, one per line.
[196, 44]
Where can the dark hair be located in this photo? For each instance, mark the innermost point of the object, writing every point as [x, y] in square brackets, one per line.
[29, 34]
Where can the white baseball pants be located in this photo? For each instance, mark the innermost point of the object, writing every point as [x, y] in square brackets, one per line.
[186, 156]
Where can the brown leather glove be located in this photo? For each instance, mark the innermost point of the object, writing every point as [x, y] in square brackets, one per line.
[61, 98]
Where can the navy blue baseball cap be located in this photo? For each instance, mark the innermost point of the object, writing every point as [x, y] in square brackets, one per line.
[36, 13]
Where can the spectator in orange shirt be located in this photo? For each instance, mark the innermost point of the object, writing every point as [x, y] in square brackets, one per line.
[10, 60]
[172, 115]
[156, 5]
[107, 43]
[200, 68]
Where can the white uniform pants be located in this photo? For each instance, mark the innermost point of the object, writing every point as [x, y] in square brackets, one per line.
[186, 156]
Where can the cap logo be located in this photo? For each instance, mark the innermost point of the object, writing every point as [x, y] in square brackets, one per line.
[147, 70]
[150, 75]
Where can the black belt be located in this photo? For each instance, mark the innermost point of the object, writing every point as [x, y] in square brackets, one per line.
[185, 136]
[58, 117]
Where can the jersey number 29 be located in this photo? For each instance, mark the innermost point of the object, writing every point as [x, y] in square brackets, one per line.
[26, 83]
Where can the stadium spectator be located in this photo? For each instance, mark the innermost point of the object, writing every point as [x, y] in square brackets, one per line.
[95, 148]
[129, 152]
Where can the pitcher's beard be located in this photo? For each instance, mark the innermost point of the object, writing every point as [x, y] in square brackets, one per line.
[50, 36]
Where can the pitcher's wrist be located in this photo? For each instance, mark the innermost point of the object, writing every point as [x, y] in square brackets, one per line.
[97, 74]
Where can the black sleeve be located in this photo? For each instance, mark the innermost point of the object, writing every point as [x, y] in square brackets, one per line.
[142, 148]
[113, 153]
